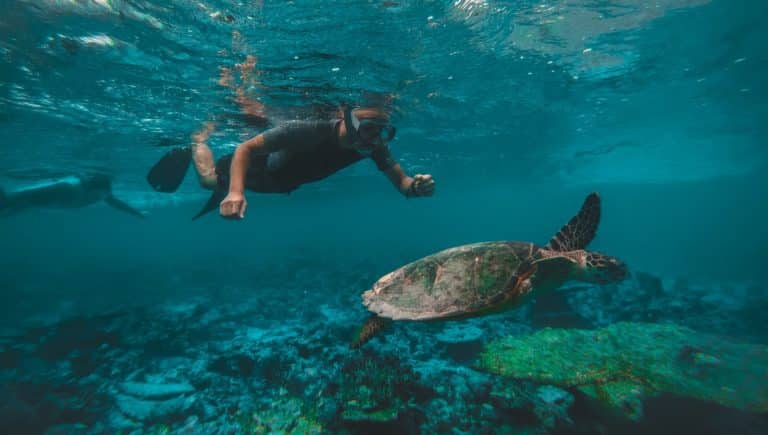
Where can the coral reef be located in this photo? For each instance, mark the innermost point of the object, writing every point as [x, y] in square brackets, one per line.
[622, 364]
[285, 415]
[254, 360]
[376, 388]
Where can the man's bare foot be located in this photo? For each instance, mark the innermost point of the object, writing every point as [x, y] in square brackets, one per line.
[251, 107]
[202, 135]
[225, 77]
[246, 69]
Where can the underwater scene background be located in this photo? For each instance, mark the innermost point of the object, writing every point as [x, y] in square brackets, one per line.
[519, 109]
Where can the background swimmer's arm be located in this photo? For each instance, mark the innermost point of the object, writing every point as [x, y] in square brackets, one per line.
[120, 205]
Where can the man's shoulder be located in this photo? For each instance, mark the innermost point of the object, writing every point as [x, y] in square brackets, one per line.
[301, 133]
[306, 124]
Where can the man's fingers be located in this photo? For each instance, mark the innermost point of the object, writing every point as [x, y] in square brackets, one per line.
[424, 185]
[233, 209]
[243, 206]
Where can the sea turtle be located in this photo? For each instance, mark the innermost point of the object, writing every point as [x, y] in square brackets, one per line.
[482, 278]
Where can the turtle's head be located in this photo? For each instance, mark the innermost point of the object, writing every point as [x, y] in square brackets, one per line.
[601, 269]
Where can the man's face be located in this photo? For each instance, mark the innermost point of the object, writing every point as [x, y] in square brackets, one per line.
[373, 131]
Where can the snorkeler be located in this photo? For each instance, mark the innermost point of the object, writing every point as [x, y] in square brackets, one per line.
[283, 158]
[68, 192]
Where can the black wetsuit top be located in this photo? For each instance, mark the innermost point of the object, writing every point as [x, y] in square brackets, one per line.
[309, 151]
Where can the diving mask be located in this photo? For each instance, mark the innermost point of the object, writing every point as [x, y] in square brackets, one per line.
[368, 133]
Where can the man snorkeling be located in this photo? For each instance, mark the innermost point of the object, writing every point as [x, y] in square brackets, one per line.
[283, 158]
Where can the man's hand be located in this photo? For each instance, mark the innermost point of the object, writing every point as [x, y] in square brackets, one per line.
[233, 206]
[422, 185]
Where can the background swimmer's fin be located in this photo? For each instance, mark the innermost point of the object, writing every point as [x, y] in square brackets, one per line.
[213, 203]
[169, 171]
[120, 205]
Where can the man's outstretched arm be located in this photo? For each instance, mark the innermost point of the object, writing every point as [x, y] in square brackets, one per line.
[418, 185]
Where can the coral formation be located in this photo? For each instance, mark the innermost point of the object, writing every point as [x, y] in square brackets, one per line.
[376, 388]
[622, 364]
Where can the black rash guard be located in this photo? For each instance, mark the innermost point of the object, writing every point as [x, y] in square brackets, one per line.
[309, 151]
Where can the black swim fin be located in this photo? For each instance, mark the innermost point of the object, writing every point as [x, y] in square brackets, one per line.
[168, 173]
[213, 203]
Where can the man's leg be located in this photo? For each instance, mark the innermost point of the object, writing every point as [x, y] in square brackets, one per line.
[203, 157]
[254, 110]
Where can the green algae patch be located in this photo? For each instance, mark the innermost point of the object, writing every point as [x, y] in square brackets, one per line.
[285, 416]
[624, 363]
[354, 411]
[375, 388]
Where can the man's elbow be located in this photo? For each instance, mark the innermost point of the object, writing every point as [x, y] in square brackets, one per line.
[253, 145]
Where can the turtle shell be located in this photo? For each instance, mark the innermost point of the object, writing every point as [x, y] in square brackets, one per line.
[456, 282]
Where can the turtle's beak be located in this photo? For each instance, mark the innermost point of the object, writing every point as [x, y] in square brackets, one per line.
[615, 271]
[619, 272]
[605, 269]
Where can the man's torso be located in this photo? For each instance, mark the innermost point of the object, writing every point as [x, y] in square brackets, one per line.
[309, 151]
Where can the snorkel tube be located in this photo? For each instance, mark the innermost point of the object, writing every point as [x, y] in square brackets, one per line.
[351, 123]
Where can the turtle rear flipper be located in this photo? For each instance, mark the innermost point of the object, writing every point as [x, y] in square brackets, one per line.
[580, 230]
[370, 328]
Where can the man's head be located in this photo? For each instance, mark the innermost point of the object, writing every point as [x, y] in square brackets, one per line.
[367, 128]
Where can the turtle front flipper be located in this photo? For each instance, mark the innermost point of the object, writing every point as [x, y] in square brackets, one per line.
[370, 328]
[580, 230]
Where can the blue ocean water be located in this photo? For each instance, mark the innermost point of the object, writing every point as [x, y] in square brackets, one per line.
[518, 109]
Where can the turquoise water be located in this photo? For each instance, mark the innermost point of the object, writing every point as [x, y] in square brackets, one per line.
[518, 109]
